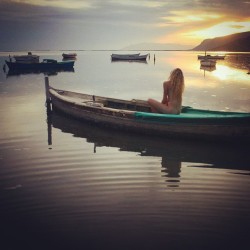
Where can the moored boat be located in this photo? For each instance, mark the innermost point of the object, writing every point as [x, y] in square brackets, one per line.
[69, 55]
[135, 116]
[128, 57]
[45, 64]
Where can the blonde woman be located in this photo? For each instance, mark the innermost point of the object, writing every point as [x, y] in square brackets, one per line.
[172, 95]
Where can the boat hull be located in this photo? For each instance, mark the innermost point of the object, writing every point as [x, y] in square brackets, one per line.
[129, 57]
[187, 125]
[40, 65]
[190, 151]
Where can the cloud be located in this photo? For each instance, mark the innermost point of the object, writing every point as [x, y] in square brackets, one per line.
[204, 20]
[74, 4]
[93, 24]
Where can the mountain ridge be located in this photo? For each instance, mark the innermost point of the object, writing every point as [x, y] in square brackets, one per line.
[238, 42]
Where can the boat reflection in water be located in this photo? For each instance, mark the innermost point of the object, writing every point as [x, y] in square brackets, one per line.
[171, 151]
[129, 61]
[48, 72]
[207, 69]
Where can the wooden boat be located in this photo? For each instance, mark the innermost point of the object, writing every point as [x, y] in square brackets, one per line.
[45, 64]
[208, 63]
[27, 58]
[215, 57]
[128, 57]
[170, 149]
[69, 55]
[135, 116]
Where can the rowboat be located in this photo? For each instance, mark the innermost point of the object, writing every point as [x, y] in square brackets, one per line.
[69, 55]
[135, 116]
[49, 64]
[208, 63]
[128, 57]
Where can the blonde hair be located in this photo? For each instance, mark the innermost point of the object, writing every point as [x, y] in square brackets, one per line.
[177, 79]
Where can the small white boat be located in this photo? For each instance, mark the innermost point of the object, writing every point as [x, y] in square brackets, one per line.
[208, 63]
[27, 58]
[129, 57]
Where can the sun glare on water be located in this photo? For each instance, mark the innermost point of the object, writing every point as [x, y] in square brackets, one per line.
[223, 72]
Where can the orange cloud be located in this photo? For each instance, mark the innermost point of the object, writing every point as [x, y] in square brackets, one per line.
[191, 29]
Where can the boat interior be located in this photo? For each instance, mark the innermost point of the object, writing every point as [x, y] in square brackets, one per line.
[98, 101]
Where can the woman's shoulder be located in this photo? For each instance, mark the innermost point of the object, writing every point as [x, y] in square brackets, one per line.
[166, 83]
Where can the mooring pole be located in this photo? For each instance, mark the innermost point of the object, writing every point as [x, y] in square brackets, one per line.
[49, 110]
[47, 89]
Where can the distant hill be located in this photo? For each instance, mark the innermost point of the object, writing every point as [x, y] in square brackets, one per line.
[156, 46]
[239, 42]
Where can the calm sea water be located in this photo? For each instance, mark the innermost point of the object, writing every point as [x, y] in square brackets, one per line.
[68, 185]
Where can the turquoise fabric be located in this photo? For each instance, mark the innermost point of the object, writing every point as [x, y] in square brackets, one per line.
[190, 113]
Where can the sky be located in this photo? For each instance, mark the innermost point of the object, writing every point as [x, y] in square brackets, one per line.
[116, 24]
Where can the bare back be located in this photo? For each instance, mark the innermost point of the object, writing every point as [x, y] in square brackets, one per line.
[174, 104]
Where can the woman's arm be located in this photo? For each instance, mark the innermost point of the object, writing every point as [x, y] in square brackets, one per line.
[165, 98]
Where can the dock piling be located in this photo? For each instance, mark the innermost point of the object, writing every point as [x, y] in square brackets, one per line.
[47, 89]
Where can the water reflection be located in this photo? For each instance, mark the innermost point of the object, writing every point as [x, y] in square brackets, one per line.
[207, 68]
[71, 198]
[171, 169]
[53, 72]
[171, 152]
[238, 60]
[128, 61]
[233, 67]
[224, 72]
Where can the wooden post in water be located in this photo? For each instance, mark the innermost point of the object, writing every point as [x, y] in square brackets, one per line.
[47, 90]
[49, 110]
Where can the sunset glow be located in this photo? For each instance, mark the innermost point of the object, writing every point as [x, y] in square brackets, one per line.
[222, 29]
[223, 72]
[194, 28]
[114, 24]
